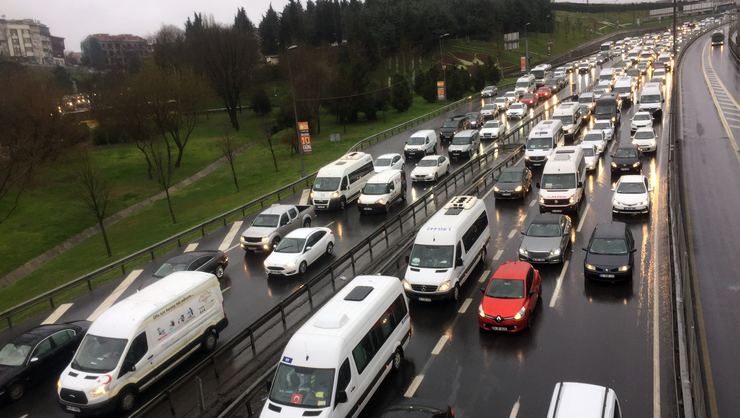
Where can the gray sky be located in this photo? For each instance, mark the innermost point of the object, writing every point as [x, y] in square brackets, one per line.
[75, 19]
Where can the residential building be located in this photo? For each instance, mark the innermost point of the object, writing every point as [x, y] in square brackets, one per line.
[103, 51]
[57, 49]
[26, 41]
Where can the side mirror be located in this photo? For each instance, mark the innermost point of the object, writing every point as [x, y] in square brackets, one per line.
[650, 189]
[580, 184]
[344, 187]
[307, 248]
[33, 360]
[538, 185]
[341, 397]
[585, 249]
[483, 290]
[633, 250]
[613, 188]
[129, 367]
[458, 262]
[522, 232]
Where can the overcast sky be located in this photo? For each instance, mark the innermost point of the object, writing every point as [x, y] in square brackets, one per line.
[75, 19]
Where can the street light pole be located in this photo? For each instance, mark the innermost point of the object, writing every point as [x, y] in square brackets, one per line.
[526, 47]
[674, 27]
[441, 62]
[295, 110]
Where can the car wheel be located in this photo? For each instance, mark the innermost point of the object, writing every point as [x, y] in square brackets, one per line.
[16, 391]
[456, 293]
[307, 223]
[343, 203]
[435, 176]
[210, 339]
[302, 268]
[220, 271]
[397, 359]
[127, 400]
[530, 321]
[330, 249]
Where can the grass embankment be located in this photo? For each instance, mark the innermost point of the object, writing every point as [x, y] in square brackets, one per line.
[202, 200]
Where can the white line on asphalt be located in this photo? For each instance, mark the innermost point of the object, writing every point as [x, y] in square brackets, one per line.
[231, 248]
[733, 118]
[583, 217]
[735, 126]
[440, 344]
[58, 312]
[329, 224]
[226, 290]
[230, 236]
[498, 254]
[515, 409]
[465, 305]
[512, 233]
[484, 276]
[113, 297]
[558, 284]
[191, 247]
[531, 204]
[413, 386]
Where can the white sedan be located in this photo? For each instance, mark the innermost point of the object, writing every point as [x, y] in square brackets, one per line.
[389, 162]
[631, 196]
[430, 168]
[298, 250]
[590, 156]
[597, 139]
[645, 140]
[605, 126]
[493, 129]
[641, 120]
[516, 111]
[502, 103]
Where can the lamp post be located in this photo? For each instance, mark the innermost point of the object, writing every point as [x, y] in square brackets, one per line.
[295, 110]
[526, 47]
[441, 62]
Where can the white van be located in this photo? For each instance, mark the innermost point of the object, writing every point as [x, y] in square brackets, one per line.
[624, 87]
[569, 113]
[381, 191]
[541, 73]
[335, 362]
[583, 400]
[420, 144]
[139, 339]
[341, 182]
[561, 185]
[446, 249]
[542, 141]
[525, 84]
[607, 75]
[651, 99]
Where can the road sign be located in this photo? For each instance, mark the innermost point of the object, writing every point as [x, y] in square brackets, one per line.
[523, 63]
[441, 90]
[511, 40]
[305, 137]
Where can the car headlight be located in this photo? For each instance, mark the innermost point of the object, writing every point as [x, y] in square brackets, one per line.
[572, 200]
[243, 240]
[614, 164]
[313, 194]
[644, 202]
[290, 265]
[406, 284]
[264, 263]
[98, 391]
[519, 315]
[480, 311]
[518, 189]
[445, 286]
[590, 267]
[523, 251]
[380, 201]
[59, 384]
[335, 195]
[555, 252]
[624, 268]
[526, 157]
[265, 240]
[635, 165]
[496, 189]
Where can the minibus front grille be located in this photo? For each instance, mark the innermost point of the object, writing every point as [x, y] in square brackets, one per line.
[73, 396]
[423, 288]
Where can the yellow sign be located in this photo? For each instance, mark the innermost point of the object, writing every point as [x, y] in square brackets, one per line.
[441, 90]
[305, 137]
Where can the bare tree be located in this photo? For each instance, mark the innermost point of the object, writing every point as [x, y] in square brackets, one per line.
[94, 192]
[229, 152]
[161, 156]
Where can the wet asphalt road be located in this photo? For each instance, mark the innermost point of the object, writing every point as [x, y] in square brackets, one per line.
[614, 335]
[711, 169]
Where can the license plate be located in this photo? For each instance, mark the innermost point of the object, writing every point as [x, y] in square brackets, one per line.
[73, 409]
[607, 276]
[321, 206]
[505, 193]
[538, 259]
[425, 299]
[556, 210]
[499, 329]
[624, 169]
[367, 208]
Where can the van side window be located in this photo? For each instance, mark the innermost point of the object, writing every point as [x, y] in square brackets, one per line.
[364, 352]
[361, 172]
[344, 376]
[475, 231]
[137, 350]
[345, 183]
[399, 310]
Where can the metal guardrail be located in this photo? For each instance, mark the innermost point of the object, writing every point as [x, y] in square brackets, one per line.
[86, 283]
[230, 367]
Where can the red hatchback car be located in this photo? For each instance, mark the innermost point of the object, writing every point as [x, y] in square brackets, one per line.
[510, 298]
[529, 99]
[544, 93]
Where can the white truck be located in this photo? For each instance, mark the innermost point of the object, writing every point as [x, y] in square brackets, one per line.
[273, 223]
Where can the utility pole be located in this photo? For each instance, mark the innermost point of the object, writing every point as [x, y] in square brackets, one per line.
[526, 47]
[441, 62]
[295, 110]
[674, 27]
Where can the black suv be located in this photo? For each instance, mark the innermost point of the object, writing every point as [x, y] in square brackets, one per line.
[626, 159]
[610, 253]
[452, 126]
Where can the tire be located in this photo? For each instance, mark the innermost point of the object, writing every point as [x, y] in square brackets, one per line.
[397, 359]
[127, 400]
[330, 249]
[209, 341]
[456, 293]
[483, 254]
[307, 223]
[302, 268]
[403, 193]
[16, 391]
[436, 177]
[220, 271]
[343, 203]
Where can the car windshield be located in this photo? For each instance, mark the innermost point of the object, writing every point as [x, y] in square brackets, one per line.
[491, 124]
[506, 289]
[566, 119]
[489, 107]
[602, 126]
[461, 140]
[632, 188]
[383, 162]
[609, 246]
[606, 109]
[14, 355]
[376, 188]
[302, 386]
[472, 116]
[510, 177]
[428, 163]
[593, 136]
[431, 256]
[266, 221]
[169, 268]
[419, 140]
[529, 96]
[539, 143]
[517, 106]
[500, 100]
[586, 99]
[522, 84]
[543, 230]
[449, 124]
[642, 116]
[326, 184]
[650, 98]
[559, 181]
[622, 89]
[98, 354]
[644, 135]
[626, 153]
[588, 152]
[290, 245]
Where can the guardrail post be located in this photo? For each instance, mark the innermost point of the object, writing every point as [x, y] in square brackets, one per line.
[251, 342]
[385, 233]
[333, 281]
[123, 268]
[201, 398]
[9, 320]
[370, 248]
[169, 402]
[400, 224]
[352, 257]
[215, 371]
[224, 219]
[89, 285]
[282, 317]
[202, 231]
[151, 253]
[310, 298]
[51, 302]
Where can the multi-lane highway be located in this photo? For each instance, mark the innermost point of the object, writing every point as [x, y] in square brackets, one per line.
[710, 133]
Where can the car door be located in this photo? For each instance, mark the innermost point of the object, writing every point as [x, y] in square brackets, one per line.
[345, 395]
[201, 264]
[317, 249]
[136, 359]
[442, 166]
[64, 347]
[565, 227]
[396, 162]
[39, 360]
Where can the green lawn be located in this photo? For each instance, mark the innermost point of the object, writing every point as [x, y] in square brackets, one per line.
[204, 199]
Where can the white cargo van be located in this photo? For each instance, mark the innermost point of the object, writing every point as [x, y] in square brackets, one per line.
[541, 73]
[420, 144]
[583, 400]
[335, 362]
[525, 84]
[624, 87]
[542, 141]
[446, 249]
[607, 75]
[340, 182]
[651, 99]
[561, 185]
[381, 191]
[569, 113]
[139, 339]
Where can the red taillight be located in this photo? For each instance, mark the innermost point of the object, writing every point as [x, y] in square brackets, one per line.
[452, 412]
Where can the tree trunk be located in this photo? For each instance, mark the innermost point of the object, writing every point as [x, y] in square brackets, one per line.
[233, 174]
[233, 117]
[274, 160]
[169, 204]
[180, 152]
[101, 224]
